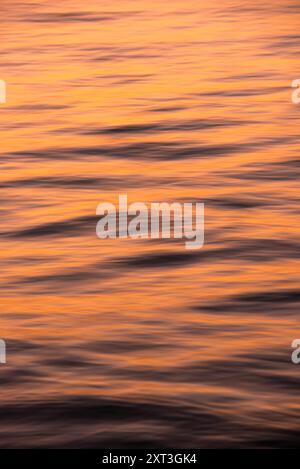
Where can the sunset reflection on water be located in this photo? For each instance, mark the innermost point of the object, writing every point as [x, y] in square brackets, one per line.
[141, 343]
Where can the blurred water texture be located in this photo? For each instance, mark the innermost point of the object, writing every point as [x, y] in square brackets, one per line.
[124, 343]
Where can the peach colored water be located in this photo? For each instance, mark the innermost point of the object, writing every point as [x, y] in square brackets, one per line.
[123, 343]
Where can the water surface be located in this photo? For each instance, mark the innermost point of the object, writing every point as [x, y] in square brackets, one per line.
[124, 343]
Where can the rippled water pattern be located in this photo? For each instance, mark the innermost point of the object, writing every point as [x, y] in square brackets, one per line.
[124, 343]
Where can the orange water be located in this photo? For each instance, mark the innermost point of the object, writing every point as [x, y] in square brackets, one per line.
[122, 343]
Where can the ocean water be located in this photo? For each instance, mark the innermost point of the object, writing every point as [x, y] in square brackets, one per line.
[142, 343]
